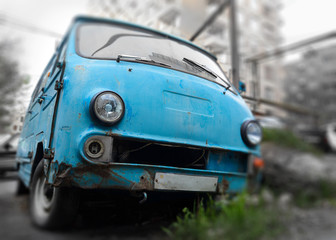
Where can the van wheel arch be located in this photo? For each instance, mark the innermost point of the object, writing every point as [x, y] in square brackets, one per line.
[51, 207]
[37, 159]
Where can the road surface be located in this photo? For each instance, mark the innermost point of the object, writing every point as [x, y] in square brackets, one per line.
[15, 222]
[305, 224]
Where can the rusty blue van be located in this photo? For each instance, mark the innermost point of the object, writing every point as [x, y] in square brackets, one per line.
[124, 107]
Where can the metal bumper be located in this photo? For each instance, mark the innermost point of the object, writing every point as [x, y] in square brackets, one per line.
[140, 177]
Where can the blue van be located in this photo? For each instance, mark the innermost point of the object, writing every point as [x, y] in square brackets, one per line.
[124, 107]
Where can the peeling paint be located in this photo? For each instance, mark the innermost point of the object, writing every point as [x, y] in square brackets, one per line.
[79, 68]
[112, 134]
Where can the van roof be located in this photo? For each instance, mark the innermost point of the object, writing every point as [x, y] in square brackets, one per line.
[107, 20]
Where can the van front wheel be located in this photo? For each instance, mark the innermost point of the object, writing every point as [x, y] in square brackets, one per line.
[51, 207]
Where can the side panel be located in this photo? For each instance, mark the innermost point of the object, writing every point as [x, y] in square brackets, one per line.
[38, 122]
[27, 143]
[47, 108]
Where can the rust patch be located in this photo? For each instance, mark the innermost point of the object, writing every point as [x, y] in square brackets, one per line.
[66, 175]
[111, 134]
[100, 170]
[224, 185]
[63, 175]
[117, 81]
[117, 178]
[79, 68]
[145, 182]
[79, 115]
[150, 173]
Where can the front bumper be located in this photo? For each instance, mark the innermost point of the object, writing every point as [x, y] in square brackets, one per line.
[139, 177]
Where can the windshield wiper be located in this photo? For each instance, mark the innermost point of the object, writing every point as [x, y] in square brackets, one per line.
[204, 68]
[200, 67]
[140, 59]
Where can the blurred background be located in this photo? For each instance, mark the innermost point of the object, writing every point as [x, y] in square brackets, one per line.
[286, 53]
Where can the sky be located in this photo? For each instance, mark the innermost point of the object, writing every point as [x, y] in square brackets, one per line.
[307, 18]
[301, 19]
[36, 49]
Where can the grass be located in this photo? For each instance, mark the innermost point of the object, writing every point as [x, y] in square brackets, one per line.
[235, 219]
[324, 191]
[287, 139]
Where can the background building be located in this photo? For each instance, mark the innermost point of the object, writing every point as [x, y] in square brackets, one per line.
[311, 83]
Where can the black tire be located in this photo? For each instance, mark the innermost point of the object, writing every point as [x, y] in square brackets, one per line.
[51, 207]
[21, 189]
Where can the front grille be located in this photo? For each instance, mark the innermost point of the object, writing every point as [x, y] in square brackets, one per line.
[153, 153]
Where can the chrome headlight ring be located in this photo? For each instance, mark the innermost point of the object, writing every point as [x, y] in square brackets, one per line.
[251, 133]
[107, 107]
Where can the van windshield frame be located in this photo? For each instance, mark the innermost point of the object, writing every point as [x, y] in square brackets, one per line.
[106, 41]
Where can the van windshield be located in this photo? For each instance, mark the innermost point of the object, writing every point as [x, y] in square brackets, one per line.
[108, 41]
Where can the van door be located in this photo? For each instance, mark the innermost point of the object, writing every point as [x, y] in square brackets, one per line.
[49, 99]
[41, 99]
[31, 129]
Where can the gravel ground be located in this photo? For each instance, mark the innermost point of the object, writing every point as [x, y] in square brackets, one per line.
[318, 222]
[311, 224]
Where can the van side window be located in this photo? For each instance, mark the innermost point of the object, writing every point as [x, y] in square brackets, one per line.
[60, 57]
[36, 90]
[47, 71]
[43, 79]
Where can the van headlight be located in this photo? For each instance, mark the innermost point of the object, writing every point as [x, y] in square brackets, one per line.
[107, 107]
[251, 133]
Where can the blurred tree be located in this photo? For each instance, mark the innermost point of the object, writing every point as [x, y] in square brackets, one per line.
[10, 82]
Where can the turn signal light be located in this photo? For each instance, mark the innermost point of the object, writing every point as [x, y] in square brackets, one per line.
[258, 163]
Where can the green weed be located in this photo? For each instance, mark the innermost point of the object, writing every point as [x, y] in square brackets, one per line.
[288, 139]
[235, 219]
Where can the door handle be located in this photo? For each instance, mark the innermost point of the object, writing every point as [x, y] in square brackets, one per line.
[41, 99]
